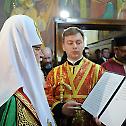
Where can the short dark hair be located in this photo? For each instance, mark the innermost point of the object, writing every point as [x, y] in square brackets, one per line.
[86, 48]
[119, 41]
[72, 31]
[104, 49]
[97, 51]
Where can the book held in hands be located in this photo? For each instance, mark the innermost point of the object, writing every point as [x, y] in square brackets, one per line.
[107, 100]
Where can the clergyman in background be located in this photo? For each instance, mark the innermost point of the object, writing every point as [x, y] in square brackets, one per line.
[105, 55]
[117, 64]
[47, 61]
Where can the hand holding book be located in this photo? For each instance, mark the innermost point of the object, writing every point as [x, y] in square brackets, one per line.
[107, 100]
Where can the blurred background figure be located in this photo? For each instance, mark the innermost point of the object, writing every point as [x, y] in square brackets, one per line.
[97, 55]
[117, 64]
[86, 52]
[47, 61]
[105, 55]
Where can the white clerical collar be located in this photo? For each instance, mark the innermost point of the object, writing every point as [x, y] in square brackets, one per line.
[104, 59]
[73, 62]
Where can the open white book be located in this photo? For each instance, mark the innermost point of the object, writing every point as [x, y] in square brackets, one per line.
[107, 100]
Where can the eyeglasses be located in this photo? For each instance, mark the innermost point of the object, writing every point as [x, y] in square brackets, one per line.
[37, 48]
[41, 46]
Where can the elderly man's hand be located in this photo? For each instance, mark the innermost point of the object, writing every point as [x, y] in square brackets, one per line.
[98, 121]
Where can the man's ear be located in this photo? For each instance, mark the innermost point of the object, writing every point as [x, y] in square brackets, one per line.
[63, 47]
[115, 49]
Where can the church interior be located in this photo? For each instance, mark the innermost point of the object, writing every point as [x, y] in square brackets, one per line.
[97, 18]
